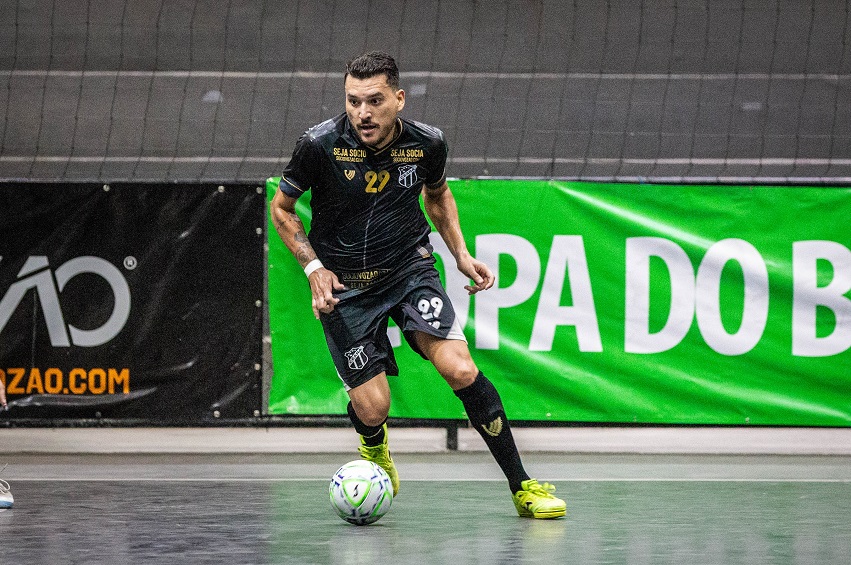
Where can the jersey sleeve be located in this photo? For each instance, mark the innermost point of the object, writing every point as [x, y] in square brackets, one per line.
[299, 174]
[437, 161]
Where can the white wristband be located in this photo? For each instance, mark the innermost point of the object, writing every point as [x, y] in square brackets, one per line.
[312, 266]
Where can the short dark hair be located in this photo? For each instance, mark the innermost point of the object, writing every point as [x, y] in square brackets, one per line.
[374, 63]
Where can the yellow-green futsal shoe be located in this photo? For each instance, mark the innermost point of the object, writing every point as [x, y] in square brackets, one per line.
[536, 500]
[380, 455]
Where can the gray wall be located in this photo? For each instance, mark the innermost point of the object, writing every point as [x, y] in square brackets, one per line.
[748, 91]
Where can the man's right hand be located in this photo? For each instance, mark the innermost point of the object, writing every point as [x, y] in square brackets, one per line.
[322, 284]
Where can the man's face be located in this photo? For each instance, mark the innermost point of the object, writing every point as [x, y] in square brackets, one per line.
[372, 106]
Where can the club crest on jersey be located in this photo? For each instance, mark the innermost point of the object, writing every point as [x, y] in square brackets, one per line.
[350, 174]
[408, 175]
[357, 358]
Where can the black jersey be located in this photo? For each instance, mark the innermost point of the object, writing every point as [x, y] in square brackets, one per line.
[367, 218]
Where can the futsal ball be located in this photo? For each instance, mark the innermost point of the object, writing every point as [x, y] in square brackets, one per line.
[361, 492]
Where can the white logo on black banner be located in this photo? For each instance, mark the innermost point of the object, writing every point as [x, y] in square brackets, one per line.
[357, 358]
[36, 274]
[408, 175]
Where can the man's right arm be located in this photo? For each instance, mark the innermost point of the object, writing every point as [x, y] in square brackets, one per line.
[291, 230]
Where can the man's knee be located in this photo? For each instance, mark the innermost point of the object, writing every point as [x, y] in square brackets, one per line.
[370, 414]
[452, 360]
[461, 373]
[371, 400]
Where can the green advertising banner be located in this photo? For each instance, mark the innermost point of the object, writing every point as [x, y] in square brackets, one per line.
[620, 303]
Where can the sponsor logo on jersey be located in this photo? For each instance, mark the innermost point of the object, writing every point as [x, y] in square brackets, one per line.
[349, 155]
[406, 155]
[361, 279]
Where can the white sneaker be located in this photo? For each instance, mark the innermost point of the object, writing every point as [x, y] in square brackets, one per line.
[6, 498]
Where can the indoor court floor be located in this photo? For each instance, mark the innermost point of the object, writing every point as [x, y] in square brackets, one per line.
[453, 507]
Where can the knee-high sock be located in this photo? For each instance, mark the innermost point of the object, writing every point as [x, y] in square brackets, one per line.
[484, 408]
[372, 435]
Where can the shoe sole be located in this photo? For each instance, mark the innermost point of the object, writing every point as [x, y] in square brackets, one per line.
[544, 515]
[548, 515]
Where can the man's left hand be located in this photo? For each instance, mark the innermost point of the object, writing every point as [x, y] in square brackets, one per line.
[481, 275]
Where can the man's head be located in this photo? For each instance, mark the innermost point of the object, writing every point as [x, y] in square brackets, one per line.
[373, 97]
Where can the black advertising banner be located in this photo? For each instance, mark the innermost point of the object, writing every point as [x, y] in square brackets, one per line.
[131, 301]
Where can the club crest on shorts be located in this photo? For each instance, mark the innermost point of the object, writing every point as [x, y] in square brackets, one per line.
[357, 358]
[408, 175]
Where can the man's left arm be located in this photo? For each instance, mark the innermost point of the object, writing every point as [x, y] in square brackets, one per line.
[441, 208]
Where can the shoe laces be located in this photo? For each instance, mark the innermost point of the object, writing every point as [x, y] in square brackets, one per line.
[541, 489]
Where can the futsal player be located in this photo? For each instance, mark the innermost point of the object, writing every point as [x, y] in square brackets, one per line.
[368, 258]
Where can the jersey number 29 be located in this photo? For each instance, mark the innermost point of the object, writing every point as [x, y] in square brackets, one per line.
[372, 178]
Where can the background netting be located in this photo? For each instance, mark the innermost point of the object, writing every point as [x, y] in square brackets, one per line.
[201, 90]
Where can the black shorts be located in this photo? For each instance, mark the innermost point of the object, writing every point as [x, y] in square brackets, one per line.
[356, 331]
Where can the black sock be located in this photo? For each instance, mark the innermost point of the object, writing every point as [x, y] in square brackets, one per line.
[372, 435]
[484, 408]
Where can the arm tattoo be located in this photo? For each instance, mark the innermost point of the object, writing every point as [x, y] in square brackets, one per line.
[303, 251]
[299, 245]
